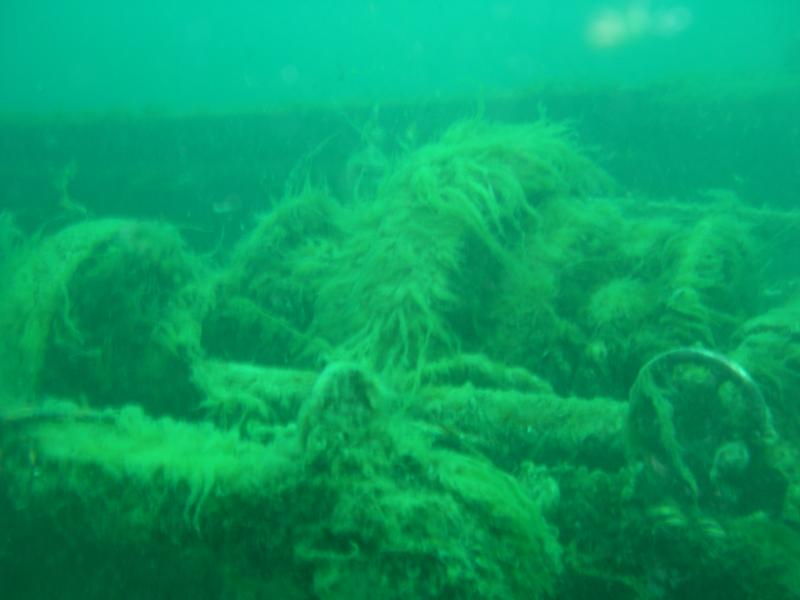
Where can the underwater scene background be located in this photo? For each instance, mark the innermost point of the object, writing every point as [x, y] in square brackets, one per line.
[489, 299]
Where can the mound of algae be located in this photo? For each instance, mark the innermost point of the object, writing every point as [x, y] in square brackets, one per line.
[106, 310]
[265, 296]
[410, 282]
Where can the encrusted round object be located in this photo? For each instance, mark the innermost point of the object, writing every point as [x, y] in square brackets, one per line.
[702, 434]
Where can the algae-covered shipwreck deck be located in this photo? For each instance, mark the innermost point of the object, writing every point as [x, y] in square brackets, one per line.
[462, 361]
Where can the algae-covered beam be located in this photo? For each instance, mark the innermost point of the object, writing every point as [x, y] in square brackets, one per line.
[526, 422]
[511, 427]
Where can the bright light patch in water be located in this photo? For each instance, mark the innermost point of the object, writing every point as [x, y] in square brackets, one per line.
[613, 27]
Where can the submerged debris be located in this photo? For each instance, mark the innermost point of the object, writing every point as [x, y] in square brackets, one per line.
[434, 387]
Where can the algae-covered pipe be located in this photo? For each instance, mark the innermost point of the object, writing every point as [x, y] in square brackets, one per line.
[511, 427]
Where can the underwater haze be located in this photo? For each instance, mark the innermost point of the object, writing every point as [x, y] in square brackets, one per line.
[394, 300]
[211, 56]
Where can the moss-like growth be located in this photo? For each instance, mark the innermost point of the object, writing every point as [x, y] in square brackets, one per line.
[266, 292]
[480, 311]
[710, 279]
[571, 308]
[253, 398]
[622, 303]
[181, 493]
[34, 298]
[409, 285]
[769, 346]
[511, 427]
[108, 310]
[399, 516]
[361, 501]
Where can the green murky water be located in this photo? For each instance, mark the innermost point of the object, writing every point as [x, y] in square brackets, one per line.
[400, 300]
